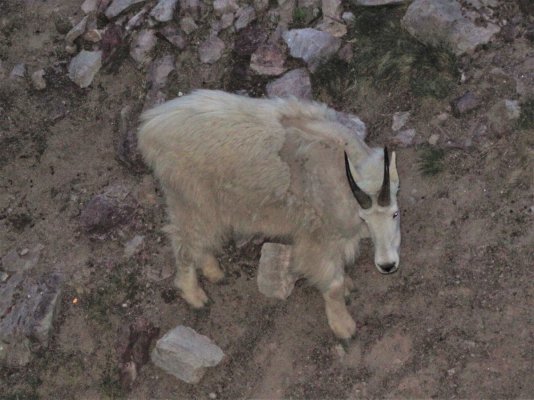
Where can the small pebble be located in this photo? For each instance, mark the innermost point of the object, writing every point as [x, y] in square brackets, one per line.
[212, 395]
[433, 139]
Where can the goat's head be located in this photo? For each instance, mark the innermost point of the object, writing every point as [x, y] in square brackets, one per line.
[374, 183]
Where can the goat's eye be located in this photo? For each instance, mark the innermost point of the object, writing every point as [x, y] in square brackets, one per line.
[395, 214]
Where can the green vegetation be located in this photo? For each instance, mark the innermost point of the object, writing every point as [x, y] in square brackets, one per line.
[117, 286]
[388, 58]
[526, 119]
[431, 161]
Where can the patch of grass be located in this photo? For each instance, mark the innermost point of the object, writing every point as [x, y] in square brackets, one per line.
[431, 161]
[117, 286]
[526, 119]
[390, 59]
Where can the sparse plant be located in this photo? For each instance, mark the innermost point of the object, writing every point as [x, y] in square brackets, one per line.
[526, 119]
[431, 161]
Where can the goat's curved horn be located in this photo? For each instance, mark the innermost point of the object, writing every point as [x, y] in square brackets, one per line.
[363, 199]
[384, 198]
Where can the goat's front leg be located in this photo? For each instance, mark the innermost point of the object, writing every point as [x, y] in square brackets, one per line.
[338, 316]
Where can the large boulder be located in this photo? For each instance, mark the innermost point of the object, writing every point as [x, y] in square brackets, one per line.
[442, 23]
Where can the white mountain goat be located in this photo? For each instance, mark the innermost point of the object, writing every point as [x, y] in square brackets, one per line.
[283, 168]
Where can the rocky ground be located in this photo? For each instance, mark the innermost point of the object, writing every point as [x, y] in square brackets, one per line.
[86, 271]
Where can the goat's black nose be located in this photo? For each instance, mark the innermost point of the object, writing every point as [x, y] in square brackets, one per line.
[388, 267]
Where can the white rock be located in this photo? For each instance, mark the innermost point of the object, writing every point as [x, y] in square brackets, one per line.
[348, 17]
[399, 120]
[294, 83]
[83, 67]
[142, 46]
[118, 6]
[211, 50]
[274, 276]
[437, 22]
[164, 10]
[186, 354]
[18, 71]
[312, 45]
[38, 79]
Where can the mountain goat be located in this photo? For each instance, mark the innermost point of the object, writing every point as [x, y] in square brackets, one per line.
[283, 168]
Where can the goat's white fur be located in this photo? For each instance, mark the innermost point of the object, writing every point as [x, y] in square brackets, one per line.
[232, 165]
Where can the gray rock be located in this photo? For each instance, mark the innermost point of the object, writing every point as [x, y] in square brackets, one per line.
[274, 276]
[186, 354]
[3, 276]
[93, 35]
[332, 8]
[438, 22]
[224, 6]
[138, 19]
[188, 25]
[133, 245]
[312, 45]
[142, 46]
[164, 10]
[173, 35]
[372, 3]
[76, 31]
[28, 307]
[15, 262]
[465, 103]
[268, 59]
[227, 20]
[294, 83]
[353, 122]
[107, 210]
[118, 6]
[90, 6]
[404, 138]
[84, 67]
[399, 120]
[18, 71]
[157, 77]
[503, 114]
[433, 139]
[244, 16]
[211, 50]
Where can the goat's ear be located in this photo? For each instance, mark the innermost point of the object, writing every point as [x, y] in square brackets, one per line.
[393, 175]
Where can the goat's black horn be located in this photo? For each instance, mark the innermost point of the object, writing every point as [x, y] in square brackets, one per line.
[384, 197]
[363, 199]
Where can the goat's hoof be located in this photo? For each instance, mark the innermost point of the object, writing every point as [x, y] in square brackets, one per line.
[212, 271]
[343, 328]
[197, 298]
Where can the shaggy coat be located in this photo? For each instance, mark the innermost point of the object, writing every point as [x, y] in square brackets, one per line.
[232, 165]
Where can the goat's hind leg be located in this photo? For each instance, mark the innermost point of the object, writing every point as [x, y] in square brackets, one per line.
[211, 269]
[186, 275]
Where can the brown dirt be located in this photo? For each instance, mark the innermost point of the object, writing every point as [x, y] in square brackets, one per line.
[456, 321]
